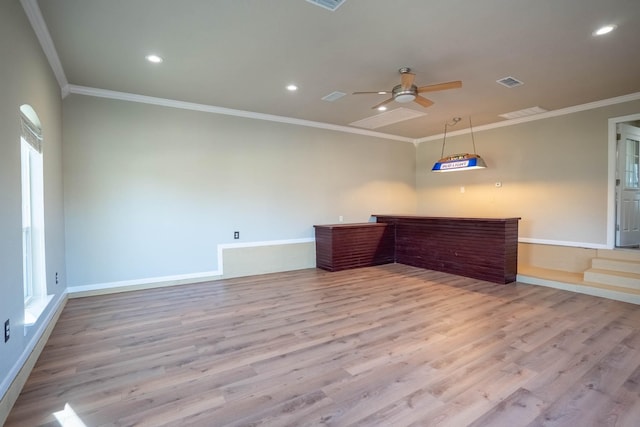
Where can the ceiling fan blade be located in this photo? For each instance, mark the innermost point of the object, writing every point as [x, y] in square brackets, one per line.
[379, 92]
[382, 103]
[440, 86]
[423, 101]
[407, 80]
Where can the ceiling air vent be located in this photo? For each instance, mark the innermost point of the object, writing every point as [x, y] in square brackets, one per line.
[333, 96]
[388, 118]
[510, 82]
[328, 4]
[523, 113]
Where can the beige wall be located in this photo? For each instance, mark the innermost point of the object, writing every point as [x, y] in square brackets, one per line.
[554, 175]
[152, 191]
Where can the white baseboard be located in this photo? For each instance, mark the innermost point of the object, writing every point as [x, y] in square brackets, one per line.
[138, 284]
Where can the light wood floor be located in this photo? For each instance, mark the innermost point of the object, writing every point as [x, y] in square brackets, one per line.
[382, 346]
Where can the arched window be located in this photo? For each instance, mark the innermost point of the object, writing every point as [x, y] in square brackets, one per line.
[33, 252]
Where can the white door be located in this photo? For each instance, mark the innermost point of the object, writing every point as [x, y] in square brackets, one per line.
[628, 186]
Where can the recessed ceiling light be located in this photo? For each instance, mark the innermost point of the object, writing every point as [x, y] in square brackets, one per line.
[604, 30]
[292, 88]
[154, 58]
[382, 108]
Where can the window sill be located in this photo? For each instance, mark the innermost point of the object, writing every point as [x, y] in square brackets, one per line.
[34, 309]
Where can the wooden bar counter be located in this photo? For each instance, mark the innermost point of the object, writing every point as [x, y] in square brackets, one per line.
[482, 248]
[344, 246]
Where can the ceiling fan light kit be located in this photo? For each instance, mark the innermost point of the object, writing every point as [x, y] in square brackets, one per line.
[406, 91]
[402, 96]
[458, 162]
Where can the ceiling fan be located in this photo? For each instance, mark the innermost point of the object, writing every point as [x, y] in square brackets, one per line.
[406, 91]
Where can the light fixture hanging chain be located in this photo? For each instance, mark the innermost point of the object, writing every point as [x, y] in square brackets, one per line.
[444, 139]
[473, 140]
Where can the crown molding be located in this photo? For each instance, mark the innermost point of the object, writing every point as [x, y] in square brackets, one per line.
[554, 113]
[132, 97]
[34, 15]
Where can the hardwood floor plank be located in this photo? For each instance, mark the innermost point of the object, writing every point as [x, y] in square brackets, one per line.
[389, 345]
[624, 410]
[518, 409]
[585, 402]
[477, 398]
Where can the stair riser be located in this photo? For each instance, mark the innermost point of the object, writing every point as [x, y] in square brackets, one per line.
[605, 279]
[624, 255]
[615, 265]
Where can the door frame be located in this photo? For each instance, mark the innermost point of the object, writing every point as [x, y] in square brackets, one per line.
[611, 188]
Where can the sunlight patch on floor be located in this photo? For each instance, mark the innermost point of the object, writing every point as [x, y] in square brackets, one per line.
[68, 417]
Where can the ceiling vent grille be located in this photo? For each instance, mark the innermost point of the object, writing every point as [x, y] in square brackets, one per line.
[328, 4]
[388, 118]
[510, 82]
[333, 96]
[523, 113]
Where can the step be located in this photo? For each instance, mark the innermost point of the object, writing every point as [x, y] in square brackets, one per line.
[616, 265]
[621, 254]
[613, 278]
[574, 282]
[550, 274]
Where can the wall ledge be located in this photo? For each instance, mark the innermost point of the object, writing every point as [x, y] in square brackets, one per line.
[175, 280]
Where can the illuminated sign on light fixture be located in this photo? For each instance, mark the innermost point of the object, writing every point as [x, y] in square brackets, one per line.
[458, 162]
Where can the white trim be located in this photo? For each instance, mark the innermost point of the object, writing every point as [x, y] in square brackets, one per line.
[554, 113]
[581, 289]
[39, 26]
[180, 279]
[611, 175]
[15, 369]
[611, 183]
[34, 309]
[183, 279]
[265, 243]
[132, 97]
[65, 91]
[562, 243]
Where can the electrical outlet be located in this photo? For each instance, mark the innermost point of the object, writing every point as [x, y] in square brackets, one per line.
[7, 331]
[236, 234]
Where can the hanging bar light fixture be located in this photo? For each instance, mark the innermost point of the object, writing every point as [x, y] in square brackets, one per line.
[458, 162]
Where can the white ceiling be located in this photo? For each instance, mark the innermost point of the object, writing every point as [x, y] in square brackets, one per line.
[240, 54]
